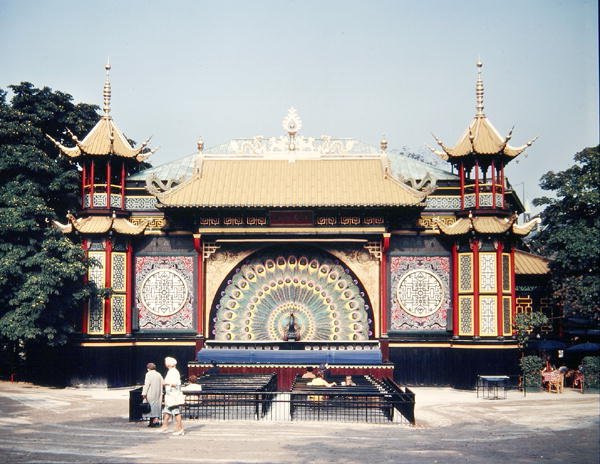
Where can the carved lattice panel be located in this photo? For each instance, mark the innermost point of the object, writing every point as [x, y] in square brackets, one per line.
[465, 318]
[117, 316]
[488, 322]
[487, 272]
[420, 292]
[96, 274]
[507, 315]
[164, 292]
[465, 272]
[118, 272]
[506, 272]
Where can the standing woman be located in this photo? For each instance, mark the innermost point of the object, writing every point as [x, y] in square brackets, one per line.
[152, 393]
[172, 385]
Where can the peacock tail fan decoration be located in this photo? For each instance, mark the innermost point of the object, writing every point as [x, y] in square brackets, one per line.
[308, 293]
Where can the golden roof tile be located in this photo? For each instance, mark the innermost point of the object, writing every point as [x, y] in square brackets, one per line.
[459, 227]
[105, 138]
[326, 182]
[526, 228]
[481, 137]
[530, 264]
[491, 224]
[100, 225]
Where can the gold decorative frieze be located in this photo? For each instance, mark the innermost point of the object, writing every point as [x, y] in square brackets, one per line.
[233, 221]
[349, 220]
[256, 221]
[326, 221]
[210, 221]
[429, 222]
[373, 221]
[154, 222]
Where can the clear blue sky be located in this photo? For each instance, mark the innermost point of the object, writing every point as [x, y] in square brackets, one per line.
[226, 69]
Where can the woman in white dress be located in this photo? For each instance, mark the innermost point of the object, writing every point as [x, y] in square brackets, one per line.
[172, 383]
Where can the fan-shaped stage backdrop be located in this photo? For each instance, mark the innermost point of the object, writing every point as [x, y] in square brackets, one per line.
[306, 291]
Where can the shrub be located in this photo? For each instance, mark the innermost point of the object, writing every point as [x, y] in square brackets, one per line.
[531, 366]
[591, 371]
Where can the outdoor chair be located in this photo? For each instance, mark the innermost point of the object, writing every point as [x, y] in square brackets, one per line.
[556, 382]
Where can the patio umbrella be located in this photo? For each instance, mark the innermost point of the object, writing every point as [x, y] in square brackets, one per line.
[547, 345]
[584, 347]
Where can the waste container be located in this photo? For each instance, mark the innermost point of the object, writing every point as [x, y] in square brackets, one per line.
[135, 401]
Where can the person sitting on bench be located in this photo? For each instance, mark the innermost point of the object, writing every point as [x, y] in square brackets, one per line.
[319, 381]
[309, 374]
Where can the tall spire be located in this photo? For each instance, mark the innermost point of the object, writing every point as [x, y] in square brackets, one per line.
[106, 90]
[479, 91]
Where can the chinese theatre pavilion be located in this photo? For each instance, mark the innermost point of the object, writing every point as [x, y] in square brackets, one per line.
[276, 253]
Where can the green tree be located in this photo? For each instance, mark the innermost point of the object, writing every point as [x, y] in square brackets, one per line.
[41, 271]
[570, 234]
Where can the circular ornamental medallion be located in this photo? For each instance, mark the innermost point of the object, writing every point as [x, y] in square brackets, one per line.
[420, 293]
[164, 292]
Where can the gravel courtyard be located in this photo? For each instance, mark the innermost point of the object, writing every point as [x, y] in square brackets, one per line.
[45, 425]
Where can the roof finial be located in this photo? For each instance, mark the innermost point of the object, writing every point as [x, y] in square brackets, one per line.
[106, 91]
[479, 91]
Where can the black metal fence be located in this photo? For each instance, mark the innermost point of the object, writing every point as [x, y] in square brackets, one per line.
[383, 407]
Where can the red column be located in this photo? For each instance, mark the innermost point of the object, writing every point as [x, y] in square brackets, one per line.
[86, 305]
[475, 250]
[123, 185]
[462, 185]
[455, 289]
[493, 180]
[513, 283]
[499, 305]
[476, 184]
[83, 179]
[502, 183]
[107, 283]
[108, 179]
[128, 287]
[92, 179]
[200, 284]
[383, 294]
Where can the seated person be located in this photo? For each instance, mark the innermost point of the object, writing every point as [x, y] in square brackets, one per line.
[309, 374]
[214, 369]
[319, 381]
[348, 382]
[192, 386]
[324, 369]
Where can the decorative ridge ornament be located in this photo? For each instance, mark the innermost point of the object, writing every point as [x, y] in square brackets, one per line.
[479, 92]
[106, 92]
[292, 125]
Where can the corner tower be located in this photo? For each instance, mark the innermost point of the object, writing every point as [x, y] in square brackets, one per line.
[484, 236]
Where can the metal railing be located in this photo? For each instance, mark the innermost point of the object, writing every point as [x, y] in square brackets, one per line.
[384, 407]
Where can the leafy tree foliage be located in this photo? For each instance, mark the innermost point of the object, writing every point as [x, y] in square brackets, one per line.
[528, 324]
[570, 234]
[40, 270]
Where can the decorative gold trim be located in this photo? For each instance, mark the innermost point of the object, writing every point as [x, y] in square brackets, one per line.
[154, 222]
[293, 230]
[112, 271]
[482, 256]
[374, 249]
[494, 332]
[112, 329]
[209, 249]
[429, 222]
[133, 343]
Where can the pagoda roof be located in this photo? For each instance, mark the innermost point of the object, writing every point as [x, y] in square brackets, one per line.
[487, 225]
[100, 225]
[340, 181]
[105, 138]
[480, 138]
[530, 264]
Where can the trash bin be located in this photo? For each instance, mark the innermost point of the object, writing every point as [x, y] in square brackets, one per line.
[135, 400]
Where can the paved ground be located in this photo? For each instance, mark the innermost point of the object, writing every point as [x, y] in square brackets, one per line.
[39, 424]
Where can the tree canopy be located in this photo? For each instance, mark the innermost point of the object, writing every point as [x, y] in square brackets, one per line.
[41, 271]
[570, 234]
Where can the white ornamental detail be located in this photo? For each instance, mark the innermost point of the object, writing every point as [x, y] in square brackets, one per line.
[164, 292]
[420, 293]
